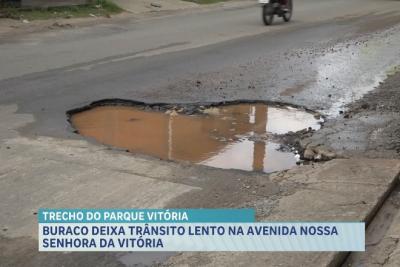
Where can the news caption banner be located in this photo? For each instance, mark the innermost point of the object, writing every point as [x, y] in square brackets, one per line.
[189, 230]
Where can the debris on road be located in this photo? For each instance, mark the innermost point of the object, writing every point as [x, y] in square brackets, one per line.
[318, 153]
[156, 5]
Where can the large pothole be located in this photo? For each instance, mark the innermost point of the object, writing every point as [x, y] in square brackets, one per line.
[230, 136]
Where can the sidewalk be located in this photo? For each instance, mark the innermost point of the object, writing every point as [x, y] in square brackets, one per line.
[339, 190]
[383, 236]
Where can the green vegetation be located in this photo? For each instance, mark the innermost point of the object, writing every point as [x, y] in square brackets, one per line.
[96, 8]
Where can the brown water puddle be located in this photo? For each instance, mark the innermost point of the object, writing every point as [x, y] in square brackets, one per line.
[223, 137]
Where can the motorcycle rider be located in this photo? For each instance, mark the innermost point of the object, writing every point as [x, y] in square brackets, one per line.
[284, 5]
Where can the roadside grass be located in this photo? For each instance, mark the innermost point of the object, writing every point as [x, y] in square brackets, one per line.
[99, 8]
[205, 2]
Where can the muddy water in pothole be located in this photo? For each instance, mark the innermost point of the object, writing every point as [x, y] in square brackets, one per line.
[229, 137]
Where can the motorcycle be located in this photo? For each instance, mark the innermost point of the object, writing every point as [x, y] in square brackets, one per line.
[270, 8]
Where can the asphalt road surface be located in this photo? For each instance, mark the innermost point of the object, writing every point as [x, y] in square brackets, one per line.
[49, 73]
[127, 39]
[331, 54]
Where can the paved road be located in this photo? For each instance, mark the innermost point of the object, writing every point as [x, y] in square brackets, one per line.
[331, 54]
[49, 73]
[127, 39]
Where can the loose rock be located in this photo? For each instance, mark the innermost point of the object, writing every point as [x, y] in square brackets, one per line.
[309, 154]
